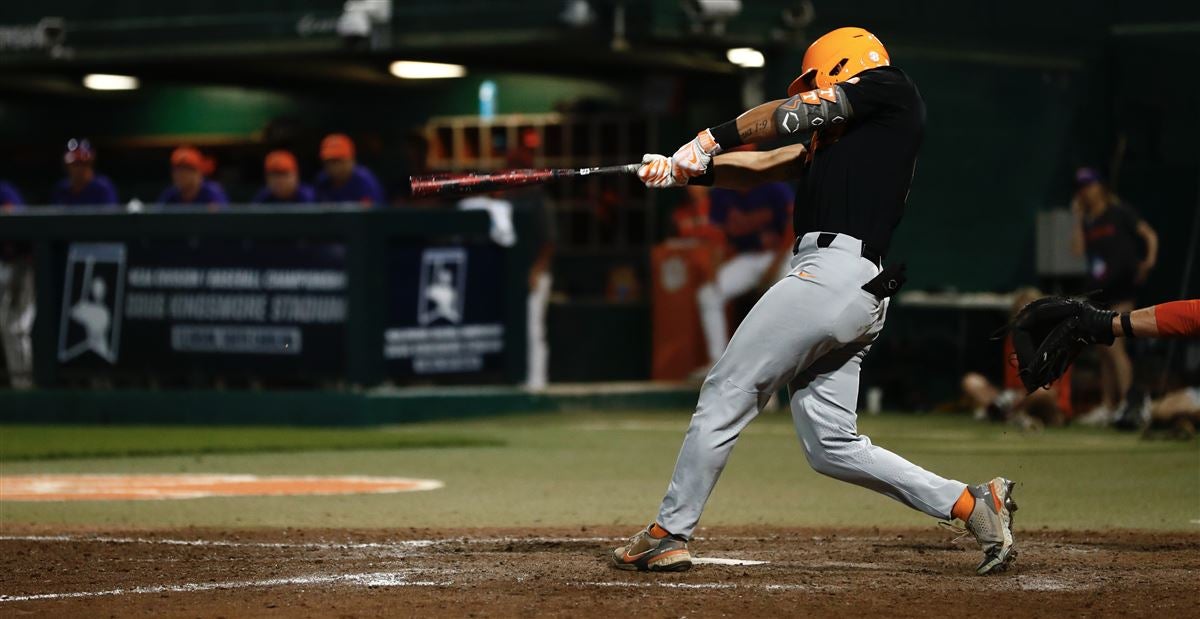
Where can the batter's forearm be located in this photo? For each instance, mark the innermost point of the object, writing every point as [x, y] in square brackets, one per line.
[748, 169]
[814, 110]
[754, 125]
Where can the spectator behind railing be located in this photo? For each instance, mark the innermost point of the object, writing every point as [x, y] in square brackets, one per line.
[10, 198]
[82, 186]
[283, 181]
[342, 179]
[188, 185]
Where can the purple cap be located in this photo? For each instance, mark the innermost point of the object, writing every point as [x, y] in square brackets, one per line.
[78, 151]
[1087, 176]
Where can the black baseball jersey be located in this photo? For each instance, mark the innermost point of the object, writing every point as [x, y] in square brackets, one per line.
[1114, 250]
[857, 177]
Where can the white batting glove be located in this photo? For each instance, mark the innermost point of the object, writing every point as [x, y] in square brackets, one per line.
[692, 159]
[658, 172]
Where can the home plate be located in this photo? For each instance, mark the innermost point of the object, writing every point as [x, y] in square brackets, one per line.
[721, 561]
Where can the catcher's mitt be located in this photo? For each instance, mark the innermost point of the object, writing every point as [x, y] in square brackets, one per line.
[1049, 333]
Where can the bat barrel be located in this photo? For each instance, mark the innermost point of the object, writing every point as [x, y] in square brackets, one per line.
[458, 184]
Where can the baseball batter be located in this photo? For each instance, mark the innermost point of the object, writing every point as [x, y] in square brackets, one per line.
[858, 123]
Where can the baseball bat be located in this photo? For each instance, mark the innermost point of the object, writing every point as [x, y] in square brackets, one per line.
[476, 182]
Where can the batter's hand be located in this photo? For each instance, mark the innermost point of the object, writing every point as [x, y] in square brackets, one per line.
[692, 159]
[658, 172]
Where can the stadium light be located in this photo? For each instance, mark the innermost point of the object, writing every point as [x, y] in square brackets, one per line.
[745, 57]
[413, 70]
[109, 81]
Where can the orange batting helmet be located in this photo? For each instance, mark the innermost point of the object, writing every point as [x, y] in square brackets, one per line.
[836, 57]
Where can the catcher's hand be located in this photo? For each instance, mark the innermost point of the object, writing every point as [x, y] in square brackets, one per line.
[1049, 333]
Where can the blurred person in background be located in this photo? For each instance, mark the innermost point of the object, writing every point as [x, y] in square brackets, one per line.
[283, 181]
[502, 207]
[16, 299]
[1175, 415]
[10, 198]
[1044, 407]
[82, 186]
[188, 185]
[1121, 249]
[755, 223]
[342, 179]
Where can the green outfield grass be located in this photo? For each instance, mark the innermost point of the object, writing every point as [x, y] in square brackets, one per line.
[605, 468]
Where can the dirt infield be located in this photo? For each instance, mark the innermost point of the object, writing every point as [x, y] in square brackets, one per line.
[500, 572]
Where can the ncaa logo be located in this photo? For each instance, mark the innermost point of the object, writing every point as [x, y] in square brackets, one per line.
[442, 292]
[93, 296]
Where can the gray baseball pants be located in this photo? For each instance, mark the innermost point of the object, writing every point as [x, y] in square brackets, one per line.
[810, 331]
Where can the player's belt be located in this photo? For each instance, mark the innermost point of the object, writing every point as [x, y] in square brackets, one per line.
[825, 239]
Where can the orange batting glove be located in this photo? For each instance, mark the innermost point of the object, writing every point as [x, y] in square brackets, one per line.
[692, 159]
[658, 172]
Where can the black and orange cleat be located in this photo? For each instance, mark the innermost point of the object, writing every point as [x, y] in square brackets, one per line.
[646, 553]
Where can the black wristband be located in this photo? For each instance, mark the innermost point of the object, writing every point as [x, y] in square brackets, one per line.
[1127, 325]
[704, 180]
[726, 135]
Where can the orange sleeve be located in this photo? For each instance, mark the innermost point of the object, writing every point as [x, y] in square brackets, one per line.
[1063, 385]
[1012, 380]
[1178, 318]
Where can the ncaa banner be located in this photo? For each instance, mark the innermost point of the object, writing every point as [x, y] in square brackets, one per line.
[207, 306]
[446, 311]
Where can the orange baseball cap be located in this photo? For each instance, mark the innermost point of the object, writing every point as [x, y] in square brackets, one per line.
[187, 157]
[337, 146]
[280, 161]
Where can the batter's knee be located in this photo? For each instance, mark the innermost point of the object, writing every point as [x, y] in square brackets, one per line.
[831, 455]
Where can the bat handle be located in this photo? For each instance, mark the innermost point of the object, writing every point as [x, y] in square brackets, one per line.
[629, 168]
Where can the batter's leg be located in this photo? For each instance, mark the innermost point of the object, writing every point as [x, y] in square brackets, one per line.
[764, 353]
[824, 400]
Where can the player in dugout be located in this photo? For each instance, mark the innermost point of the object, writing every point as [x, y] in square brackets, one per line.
[10, 198]
[188, 183]
[82, 186]
[283, 184]
[342, 179]
[856, 124]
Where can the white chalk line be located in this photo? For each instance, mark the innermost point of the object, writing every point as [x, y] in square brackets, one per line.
[705, 585]
[366, 579]
[1046, 583]
[725, 561]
